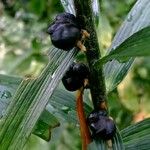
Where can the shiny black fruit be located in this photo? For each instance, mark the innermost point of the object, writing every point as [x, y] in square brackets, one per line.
[65, 31]
[75, 76]
[100, 125]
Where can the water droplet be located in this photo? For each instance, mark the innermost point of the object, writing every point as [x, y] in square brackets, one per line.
[53, 75]
[65, 109]
[64, 2]
[129, 18]
[114, 47]
[51, 90]
[3, 112]
[6, 94]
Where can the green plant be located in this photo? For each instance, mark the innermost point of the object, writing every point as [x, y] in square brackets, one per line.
[30, 96]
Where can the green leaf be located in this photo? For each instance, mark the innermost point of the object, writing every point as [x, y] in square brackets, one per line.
[8, 86]
[64, 103]
[137, 19]
[45, 124]
[61, 104]
[136, 45]
[30, 100]
[137, 136]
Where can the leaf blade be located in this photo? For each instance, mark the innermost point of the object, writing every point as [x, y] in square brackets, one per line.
[117, 143]
[31, 99]
[134, 46]
[137, 136]
[137, 19]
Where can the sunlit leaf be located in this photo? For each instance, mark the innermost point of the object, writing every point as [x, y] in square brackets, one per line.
[137, 19]
[105, 32]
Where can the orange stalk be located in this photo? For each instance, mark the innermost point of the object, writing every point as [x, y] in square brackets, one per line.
[84, 129]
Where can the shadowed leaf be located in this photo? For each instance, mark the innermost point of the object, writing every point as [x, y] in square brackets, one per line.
[137, 136]
[137, 19]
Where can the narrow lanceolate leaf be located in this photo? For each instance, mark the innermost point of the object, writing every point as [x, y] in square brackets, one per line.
[30, 100]
[136, 45]
[137, 136]
[8, 86]
[137, 19]
[99, 144]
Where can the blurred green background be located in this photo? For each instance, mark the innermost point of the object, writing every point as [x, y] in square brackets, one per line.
[23, 47]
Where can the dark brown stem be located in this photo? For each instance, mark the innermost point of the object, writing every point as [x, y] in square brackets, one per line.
[97, 84]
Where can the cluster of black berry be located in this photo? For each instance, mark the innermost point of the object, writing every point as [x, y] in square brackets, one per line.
[99, 123]
[66, 33]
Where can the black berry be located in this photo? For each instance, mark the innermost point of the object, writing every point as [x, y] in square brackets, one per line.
[100, 125]
[75, 76]
[65, 31]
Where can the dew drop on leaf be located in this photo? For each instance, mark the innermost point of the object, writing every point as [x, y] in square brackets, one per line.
[64, 2]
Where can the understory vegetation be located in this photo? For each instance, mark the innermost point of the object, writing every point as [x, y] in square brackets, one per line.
[36, 111]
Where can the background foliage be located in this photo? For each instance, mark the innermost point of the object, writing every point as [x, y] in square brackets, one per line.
[23, 46]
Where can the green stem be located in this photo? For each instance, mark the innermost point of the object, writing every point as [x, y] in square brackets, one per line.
[97, 85]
